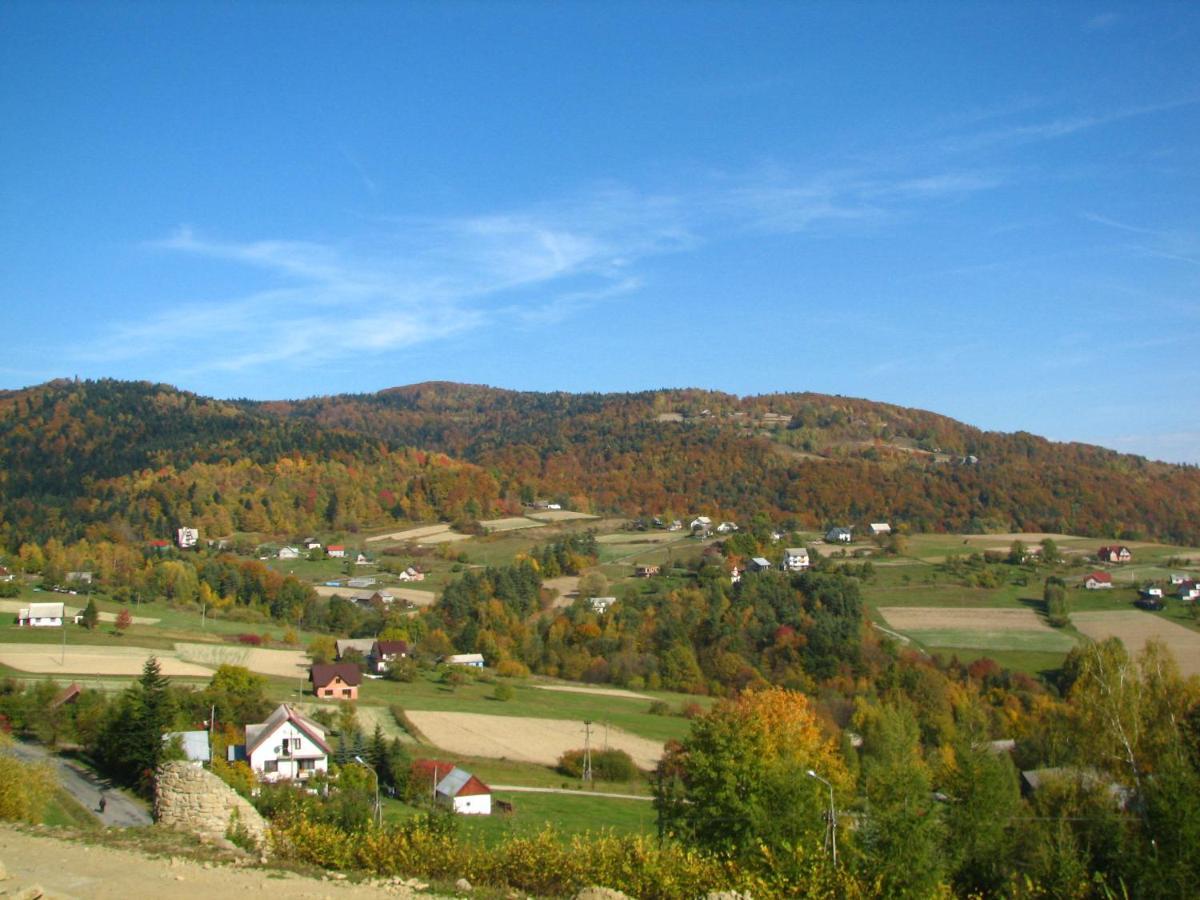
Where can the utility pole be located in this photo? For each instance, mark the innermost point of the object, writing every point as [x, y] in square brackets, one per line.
[587, 751]
[831, 829]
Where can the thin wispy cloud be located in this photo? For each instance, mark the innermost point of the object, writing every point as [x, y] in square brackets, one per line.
[1101, 22]
[409, 281]
[1178, 245]
[1052, 129]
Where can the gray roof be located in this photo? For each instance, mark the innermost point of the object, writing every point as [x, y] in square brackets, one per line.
[454, 782]
[195, 744]
[362, 645]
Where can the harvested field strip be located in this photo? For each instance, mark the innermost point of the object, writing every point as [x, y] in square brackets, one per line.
[410, 534]
[646, 537]
[1135, 628]
[604, 692]
[974, 639]
[910, 618]
[49, 659]
[523, 739]
[284, 663]
[560, 515]
[514, 523]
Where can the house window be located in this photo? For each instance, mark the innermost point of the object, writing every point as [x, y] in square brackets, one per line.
[296, 743]
[328, 692]
[346, 692]
[308, 765]
[271, 766]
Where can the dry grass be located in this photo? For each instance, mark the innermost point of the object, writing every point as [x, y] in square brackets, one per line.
[560, 515]
[925, 618]
[603, 692]
[1135, 628]
[284, 663]
[524, 739]
[512, 523]
[428, 534]
[48, 659]
[639, 537]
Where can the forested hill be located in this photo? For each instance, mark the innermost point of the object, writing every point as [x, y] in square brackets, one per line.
[133, 460]
[813, 458]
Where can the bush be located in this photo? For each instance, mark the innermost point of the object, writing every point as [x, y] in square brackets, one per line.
[251, 640]
[25, 790]
[660, 708]
[503, 692]
[607, 765]
[511, 668]
[402, 668]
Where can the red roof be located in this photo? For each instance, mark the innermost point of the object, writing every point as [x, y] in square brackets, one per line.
[387, 648]
[323, 673]
[1099, 576]
[431, 769]
[336, 547]
[159, 542]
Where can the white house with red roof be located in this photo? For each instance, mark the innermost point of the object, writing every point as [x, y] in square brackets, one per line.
[1098, 581]
[336, 551]
[1114, 554]
[286, 746]
[453, 787]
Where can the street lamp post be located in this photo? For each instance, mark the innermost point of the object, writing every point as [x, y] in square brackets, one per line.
[375, 775]
[832, 814]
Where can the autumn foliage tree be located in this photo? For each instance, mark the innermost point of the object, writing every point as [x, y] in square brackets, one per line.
[737, 782]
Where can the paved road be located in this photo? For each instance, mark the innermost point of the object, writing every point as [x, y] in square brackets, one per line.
[574, 793]
[121, 810]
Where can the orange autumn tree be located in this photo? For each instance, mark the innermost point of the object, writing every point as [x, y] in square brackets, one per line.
[738, 782]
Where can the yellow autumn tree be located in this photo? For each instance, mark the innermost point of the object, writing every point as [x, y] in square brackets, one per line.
[739, 782]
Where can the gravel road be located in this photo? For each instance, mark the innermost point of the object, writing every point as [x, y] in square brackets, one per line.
[120, 809]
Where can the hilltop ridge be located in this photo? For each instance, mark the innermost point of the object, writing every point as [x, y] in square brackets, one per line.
[136, 457]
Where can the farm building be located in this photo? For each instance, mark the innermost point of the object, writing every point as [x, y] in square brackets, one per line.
[336, 681]
[42, 615]
[289, 553]
[839, 535]
[194, 744]
[1098, 581]
[758, 564]
[361, 646]
[646, 571]
[453, 787]
[1114, 554]
[878, 529]
[474, 660]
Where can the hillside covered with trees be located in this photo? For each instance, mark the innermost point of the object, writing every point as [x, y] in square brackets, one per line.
[131, 460]
[808, 459]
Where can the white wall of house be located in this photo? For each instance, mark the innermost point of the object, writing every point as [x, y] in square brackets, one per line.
[473, 805]
[287, 753]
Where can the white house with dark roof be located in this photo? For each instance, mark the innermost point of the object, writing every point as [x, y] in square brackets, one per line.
[42, 615]
[795, 559]
[839, 535]
[286, 746]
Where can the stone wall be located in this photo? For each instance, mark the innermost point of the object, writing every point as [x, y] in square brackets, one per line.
[189, 798]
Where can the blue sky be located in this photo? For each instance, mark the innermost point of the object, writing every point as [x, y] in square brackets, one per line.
[987, 210]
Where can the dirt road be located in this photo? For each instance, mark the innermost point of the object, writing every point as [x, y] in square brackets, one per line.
[120, 809]
[71, 869]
